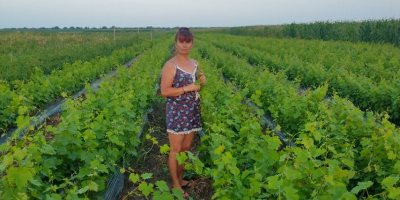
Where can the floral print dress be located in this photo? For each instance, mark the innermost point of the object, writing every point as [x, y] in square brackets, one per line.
[183, 114]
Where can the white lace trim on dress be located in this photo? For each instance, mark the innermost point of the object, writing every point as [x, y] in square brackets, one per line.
[194, 72]
[184, 132]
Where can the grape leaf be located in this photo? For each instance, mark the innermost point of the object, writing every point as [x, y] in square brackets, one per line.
[93, 186]
[307, 142]
[274, 182]
[20, 154]
[181, 157]
[397, 166]
[290, 193]
[177, 194]
[394, 193]
[274, 143]
[390, 181]
[348, 162]
[391, 155]
[53, 197]
[349, 196]
[162, 186]
[219, 150]
[82, 190]
[361, 186]
[19, 176]
[164, 196]
[7, 160]
[146, 176]
[134, 177]
[165, 149]
[146, 189]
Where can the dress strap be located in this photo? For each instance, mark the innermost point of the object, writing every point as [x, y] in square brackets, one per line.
[195, 69]
[194, 63]
[176, 66]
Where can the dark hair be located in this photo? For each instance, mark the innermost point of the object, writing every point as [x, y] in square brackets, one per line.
[183, 35]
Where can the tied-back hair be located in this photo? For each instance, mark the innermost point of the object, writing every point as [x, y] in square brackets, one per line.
[183, 29]
[184, 35]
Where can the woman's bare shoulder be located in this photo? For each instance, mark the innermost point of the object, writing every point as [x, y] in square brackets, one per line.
[169, 66]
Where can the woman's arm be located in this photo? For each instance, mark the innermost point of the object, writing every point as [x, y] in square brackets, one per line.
[167, 78]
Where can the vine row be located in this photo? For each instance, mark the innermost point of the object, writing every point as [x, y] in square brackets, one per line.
[368, 76]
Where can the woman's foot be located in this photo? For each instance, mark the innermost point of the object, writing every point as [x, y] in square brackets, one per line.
[185, 195]
[186, 184]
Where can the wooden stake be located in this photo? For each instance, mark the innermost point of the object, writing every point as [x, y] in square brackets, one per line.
[115, 43]
[151, 35]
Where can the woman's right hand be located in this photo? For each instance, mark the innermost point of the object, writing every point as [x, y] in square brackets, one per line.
[192, 87]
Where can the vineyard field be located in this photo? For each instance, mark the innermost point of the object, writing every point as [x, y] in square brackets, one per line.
[90, 141]
[42, 89]
[337, 102]
[366, 74]
[22, 51]
[334, 127]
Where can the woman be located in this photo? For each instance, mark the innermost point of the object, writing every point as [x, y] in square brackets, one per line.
[183, 103]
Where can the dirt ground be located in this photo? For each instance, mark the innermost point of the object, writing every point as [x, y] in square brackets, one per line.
[156, 163]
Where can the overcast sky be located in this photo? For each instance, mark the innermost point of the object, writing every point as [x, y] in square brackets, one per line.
[190, 13]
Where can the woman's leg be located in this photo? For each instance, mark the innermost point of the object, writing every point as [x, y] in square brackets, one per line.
[186, 144]
[175, 142]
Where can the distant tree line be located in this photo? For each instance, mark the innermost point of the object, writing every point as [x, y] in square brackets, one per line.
[376, 31]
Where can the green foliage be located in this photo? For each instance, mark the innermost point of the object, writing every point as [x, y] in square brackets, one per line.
[158, 191]
[42, 89]
[94, 139]
[366, 74]
[164, 149]
[22, 51]
[181, 158]
[340, 154]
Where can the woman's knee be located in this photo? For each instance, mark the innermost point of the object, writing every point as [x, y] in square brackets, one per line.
[186, 147]
[176, 149]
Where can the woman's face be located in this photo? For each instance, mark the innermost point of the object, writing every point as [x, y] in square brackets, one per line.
[183, 47]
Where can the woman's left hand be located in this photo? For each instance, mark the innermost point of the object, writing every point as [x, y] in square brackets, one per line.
[202, 78]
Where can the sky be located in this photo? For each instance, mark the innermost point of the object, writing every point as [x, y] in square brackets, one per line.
[188, 13]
